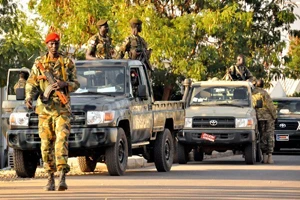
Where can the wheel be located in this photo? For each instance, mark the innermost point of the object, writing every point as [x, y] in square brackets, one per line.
[116, 156]
[250, 153]
[164, 151]
[87, 163]
[25, 163]
[198, 154]
[183, 154]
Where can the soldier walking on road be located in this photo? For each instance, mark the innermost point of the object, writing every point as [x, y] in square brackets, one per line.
[240, 72]
[266, 118]
[100, 44]
[54, 116]
[135, 45]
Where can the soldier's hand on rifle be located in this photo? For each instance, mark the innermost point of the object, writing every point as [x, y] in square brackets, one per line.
[59, 84]
[28, 103]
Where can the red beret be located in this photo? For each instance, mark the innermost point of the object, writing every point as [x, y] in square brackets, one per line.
[52, 36]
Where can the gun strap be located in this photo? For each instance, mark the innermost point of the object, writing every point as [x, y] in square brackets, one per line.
[239, 72]
[61, 60]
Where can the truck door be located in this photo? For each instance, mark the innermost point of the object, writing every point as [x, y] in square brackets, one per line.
[142, 119]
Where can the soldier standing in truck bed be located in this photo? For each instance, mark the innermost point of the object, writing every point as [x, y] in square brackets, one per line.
[100, 45]
[135, 45]
[239, 71]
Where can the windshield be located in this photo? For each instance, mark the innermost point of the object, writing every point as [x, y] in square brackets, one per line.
[219, 96]
[101, 80]
[290, 107]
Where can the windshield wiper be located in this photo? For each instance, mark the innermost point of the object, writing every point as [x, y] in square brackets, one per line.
[228, 104]
[93, 92]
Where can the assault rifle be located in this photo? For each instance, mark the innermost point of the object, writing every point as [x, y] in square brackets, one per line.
[143, 57]
[50, 78]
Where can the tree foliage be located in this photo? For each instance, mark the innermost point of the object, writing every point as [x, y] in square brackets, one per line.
[21, 41]
[200, 38]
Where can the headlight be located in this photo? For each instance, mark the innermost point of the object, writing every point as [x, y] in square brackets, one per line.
[188, 122]
[243, 122]
[99, 117]
[18, 119]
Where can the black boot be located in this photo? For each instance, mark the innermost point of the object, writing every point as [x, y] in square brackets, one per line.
[51, 183]
[62, 182]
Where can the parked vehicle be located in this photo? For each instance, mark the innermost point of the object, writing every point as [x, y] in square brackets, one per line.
[287, 126]
[219, 116]
[115, 116]
[9, 103]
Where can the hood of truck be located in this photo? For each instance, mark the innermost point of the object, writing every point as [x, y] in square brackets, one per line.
[99, 103]
[219, 111]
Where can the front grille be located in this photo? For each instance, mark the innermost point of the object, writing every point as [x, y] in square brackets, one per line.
[286, 126]
[213, 122]
[35, 137]
[78, 119]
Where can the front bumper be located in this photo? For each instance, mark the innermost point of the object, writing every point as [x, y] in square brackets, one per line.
[287, 139]
[79, 138]
[224, 138]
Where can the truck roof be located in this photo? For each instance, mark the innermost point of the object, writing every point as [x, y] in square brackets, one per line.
[222, 83]
[286, 99]
[107, 62]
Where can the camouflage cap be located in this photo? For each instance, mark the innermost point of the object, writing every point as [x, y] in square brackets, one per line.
[135, 21]
[101, 22]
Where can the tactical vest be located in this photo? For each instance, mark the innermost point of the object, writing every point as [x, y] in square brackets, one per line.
[136, 46]
[103, 47]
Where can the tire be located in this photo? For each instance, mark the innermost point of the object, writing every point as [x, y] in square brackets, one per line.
[116, 156]
[183, 154]
[25, 163]
[164, 151]
[87, 163]
[250, 153]
[198, 154]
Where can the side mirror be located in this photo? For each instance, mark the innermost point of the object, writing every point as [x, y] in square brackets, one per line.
[20, 93]
[259, 104]
[142, 92]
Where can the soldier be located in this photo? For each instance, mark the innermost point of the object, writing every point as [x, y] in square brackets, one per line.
[266, 118]
[100, 44]
[135, 45]
[54, 116]
[240, 72]
[21, 82]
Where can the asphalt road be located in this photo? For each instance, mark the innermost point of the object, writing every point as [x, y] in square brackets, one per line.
[218, 178]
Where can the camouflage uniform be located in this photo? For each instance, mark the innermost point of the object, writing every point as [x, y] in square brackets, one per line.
[100, 47]
[133, 45]
[54, 117]
[266, 116]
[20, 84]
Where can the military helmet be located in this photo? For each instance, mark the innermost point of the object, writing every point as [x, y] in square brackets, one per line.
[101, 22]
[135, 21]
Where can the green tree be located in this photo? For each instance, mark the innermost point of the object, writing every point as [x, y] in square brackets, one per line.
[21, 41]
[200, 38]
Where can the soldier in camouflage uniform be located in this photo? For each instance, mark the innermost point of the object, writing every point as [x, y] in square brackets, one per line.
[136, 46]
[54, 117]
[266, 118]
[100, 44]
[21, 82]
[240, 72]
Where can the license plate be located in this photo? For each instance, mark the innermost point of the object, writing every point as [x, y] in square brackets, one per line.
[282, 137]
[208, 137]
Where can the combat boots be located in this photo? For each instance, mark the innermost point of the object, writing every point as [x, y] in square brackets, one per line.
[51, 183]
[265, 158]
[270, 160]
[62, 181]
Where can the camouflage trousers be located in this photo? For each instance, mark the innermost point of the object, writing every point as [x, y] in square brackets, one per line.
[267, 141]
[54, 132]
